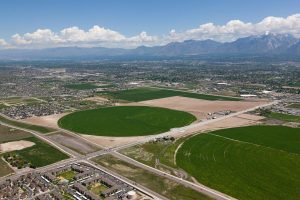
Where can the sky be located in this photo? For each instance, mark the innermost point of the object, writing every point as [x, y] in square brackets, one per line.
[131, 23]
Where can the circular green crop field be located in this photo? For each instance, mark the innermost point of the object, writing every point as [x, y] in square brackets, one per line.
[125, 121]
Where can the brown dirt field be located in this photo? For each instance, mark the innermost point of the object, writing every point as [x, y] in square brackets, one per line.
[251, 117]
[200, 108]
[236, 121]
[15, 145]
[96, 99]
[49, 121]
[75, 143]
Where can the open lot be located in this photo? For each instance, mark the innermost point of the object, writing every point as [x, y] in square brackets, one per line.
[81, 86]
[75, 143]
[125, 121]
[15, 145]
[8, 134]
[294, 105]
[28, 126]
[161, 185]
[143, 94]
[5, 169]
[256, 162]
[48, 121]
[284, 117]
[201, 108]
[19, 100]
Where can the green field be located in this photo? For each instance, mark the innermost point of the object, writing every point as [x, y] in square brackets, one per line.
[258, 162]
[294, 105]
[81, 86]
[283, 117]
[40, 129]
[125, 121]
[143, 94]
[40, 154]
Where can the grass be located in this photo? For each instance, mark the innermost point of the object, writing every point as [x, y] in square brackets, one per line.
[5, 169]
[294, 84]
[283, 117]
[97, 188]
[81, 86]
[2, 106]
[40, 154]
[32, 127]
[160, 185]
[8, 134]
[143, 94]
[294, 105]
[68, 175]
[257, 162]
[125, 121]
[19, 100]
[147, 153]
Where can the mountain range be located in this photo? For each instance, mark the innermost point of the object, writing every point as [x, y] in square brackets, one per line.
[267, 44]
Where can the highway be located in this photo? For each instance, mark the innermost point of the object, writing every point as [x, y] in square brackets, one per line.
[76, 157]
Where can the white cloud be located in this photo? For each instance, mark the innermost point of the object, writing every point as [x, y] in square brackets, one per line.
[100, 36]
[235, 29]
[3, 42]
[96, 36]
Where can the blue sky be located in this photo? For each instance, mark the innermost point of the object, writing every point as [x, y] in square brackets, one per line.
[131, 17]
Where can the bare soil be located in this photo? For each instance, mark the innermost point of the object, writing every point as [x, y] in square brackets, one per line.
[200, 108]
[49, 121]
[15, 145]
[111, 141]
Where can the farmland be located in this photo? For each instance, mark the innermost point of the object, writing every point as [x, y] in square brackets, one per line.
[143, 94]
[125, 121]
[258, 162]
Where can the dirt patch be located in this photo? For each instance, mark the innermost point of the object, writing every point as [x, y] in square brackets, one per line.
[111, 141]
[96, 99]
[251, 117]
[235, 121]
[75, 143]
[15, 145]
[49, 121]
[200, 108]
